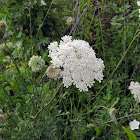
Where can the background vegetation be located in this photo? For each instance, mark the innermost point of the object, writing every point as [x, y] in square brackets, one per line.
[38, 108]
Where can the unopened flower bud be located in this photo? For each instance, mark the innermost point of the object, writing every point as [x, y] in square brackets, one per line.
[53, 72]
[2, 28]
[90, 125]
[113, 112]
[2, 118]
[69, 20]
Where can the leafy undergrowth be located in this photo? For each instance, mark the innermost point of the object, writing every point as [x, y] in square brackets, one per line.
[35, 104]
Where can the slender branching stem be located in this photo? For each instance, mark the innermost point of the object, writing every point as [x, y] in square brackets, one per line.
[48, 102]
[45, 17]
[108, 81]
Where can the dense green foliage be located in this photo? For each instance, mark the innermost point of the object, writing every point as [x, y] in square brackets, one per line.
[37, 107]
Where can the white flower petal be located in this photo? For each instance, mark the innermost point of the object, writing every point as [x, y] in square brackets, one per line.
[134, 124]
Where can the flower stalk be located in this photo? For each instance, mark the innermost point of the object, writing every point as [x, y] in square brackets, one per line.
[112, 113]
[48, 102]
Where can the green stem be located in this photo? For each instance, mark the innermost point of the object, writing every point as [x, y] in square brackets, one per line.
[34, 103]
[103, 107]
[7, 95]
[108, 81]
[45, 17]
[59, 100]
[105, 83]
[48, 102]
[31, 30]
[75, 26]
[20, 75]
[4, 101]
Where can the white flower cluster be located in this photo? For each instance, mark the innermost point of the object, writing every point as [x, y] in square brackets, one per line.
[78, 62]
[135, 89]
[36, 63]
[138, 3]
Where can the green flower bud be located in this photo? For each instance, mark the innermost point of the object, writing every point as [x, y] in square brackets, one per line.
[113, 112]
[2, 28]
[36, 63]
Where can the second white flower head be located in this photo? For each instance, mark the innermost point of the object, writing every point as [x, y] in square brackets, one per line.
[36, 63]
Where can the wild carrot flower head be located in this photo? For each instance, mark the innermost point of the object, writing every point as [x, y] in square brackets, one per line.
[135, 90]
[36, 63]
[78, 62]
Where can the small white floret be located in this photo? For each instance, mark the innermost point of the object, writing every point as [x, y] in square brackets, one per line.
[42, 2]
[134, 124]
[66, 38]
